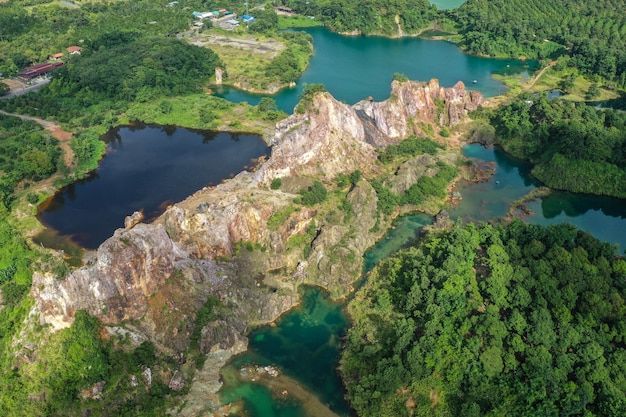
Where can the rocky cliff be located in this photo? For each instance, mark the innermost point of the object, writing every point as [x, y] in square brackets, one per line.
[333, 138]
[152, 279]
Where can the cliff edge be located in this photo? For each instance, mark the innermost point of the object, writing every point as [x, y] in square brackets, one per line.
[152, 279]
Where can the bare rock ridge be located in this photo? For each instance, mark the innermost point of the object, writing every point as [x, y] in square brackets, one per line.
[339, 135]
[328, 139]
[153, 278]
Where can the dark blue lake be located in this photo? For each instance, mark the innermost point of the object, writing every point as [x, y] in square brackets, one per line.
[146, 168]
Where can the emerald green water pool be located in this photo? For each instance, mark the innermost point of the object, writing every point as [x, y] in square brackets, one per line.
[305, 345]
[405, 231]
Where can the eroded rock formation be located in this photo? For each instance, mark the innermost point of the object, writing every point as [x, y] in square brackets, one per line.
[153, 278]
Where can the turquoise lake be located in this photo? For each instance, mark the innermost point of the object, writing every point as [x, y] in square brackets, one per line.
[447, 4]
[353, 68]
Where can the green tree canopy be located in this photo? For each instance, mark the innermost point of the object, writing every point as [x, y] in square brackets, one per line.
[514, 320]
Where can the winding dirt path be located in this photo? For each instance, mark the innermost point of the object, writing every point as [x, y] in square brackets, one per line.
[55, 130]
[539, 75]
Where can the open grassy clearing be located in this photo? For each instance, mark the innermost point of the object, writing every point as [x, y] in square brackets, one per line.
[297, 21]
[245, 57]
[550, 81]
[201, 111]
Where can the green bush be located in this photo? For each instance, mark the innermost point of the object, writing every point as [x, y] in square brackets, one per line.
[278, 218]
[306, 98]
[387, 200]
[314, 194]
[276, 183]
[411, 146]
[398, 76]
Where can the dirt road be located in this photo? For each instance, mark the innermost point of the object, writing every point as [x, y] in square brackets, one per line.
[538, 76]
[56, 132]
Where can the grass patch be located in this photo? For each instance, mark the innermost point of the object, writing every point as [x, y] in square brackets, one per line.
[200, 111]
[297, 21]
[550, 80]
[278, 218]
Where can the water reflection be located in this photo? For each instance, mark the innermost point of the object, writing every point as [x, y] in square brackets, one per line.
[146, 168]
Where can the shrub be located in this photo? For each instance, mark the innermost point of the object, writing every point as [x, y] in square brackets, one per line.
[276, 183]
[314, 194]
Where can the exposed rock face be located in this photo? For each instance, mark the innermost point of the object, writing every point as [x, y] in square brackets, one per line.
[130, 267]
[219, 335]
[328, 139]
[133, 219]
[152, 279]
[412, 102]
[333, 137]
[93, 392]
[177, 383]
[411, 171]
[337, 252]
[323, 142]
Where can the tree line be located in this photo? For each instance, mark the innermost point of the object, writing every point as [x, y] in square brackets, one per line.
[591, 32]
[574, 146]
[367, 17]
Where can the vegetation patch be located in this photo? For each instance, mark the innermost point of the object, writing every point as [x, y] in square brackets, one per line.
[486, 320]
[279, 217]
[314, 194]
[411, 146]
[574, 146]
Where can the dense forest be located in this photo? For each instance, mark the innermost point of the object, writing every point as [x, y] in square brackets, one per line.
[592, 32]
[27, 153]
[575, 147]
[368, 17]
[515, 320]
[106, 76]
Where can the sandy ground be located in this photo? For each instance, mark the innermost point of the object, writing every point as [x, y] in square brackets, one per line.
[248, 43]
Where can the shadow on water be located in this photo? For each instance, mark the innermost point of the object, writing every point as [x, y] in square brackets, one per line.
[603, 217]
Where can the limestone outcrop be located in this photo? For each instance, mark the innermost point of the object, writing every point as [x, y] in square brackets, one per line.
[333, 137]
[153, 278]
[412, 103]
[129, 267]
[328, 139]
